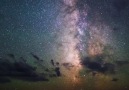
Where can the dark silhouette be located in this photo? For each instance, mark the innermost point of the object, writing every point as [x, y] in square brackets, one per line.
[57, 70]
[52, 62]
[35, 56]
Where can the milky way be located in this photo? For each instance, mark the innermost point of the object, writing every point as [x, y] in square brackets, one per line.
[68, 51]
[78, 37]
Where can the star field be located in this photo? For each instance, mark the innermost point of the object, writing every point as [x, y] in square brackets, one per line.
[72, 38]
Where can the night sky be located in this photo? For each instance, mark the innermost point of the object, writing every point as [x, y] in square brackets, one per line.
[67, 31]
[29, 26]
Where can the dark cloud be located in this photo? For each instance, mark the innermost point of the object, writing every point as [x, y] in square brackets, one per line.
[98, 65]
[19, 70]
[67, 65]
